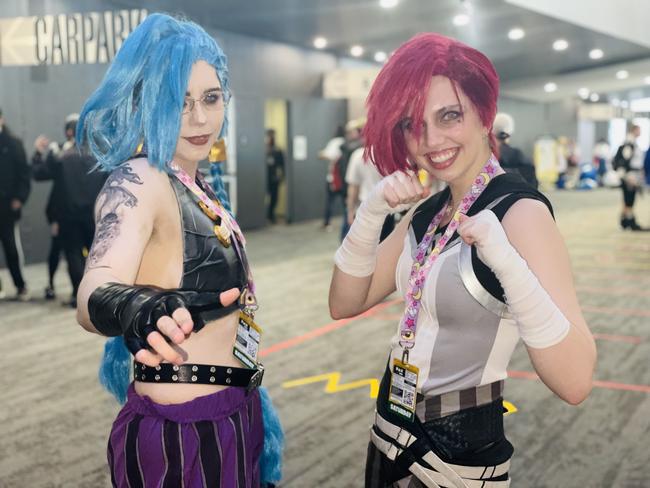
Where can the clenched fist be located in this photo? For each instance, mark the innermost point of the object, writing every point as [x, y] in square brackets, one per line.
[484, 231]
[396, 193]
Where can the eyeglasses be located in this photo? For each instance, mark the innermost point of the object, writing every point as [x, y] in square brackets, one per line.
[210, 101]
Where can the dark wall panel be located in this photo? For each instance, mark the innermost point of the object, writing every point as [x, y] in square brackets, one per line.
[251, 173]
[315, 119]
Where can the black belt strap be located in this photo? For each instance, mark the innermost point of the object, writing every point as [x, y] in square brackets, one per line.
[201, 374]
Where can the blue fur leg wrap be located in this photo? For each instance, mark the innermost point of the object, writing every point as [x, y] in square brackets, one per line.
[271, 459]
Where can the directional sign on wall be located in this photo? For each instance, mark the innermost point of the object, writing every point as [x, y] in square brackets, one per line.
[75, 38]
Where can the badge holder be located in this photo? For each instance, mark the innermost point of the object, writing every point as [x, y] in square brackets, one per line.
[249, 334]
[403, 387]
[247, 343]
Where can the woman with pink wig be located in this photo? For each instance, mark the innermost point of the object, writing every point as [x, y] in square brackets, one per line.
[479, 265]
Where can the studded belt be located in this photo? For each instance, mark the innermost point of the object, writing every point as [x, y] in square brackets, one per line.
[202, 374]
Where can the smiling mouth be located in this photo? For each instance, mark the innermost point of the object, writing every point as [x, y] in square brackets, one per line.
[198, 140]
[442, 159]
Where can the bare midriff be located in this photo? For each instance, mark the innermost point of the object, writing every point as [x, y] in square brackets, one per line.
[211, 345]
[162, 265]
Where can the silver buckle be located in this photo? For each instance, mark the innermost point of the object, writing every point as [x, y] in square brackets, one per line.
[256, 379]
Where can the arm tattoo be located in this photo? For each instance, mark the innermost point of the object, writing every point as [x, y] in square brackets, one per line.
[110, 200]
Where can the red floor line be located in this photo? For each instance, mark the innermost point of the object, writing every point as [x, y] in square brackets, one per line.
[337, 324]
[610, 385]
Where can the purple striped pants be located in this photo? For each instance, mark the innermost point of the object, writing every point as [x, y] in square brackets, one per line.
[213, 441]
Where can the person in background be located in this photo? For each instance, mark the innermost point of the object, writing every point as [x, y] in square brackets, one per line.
[601, 157]
[512, 159]
[333, 184]
[54, 201]
[275, 172]
[628, 163]
[15, 186]
[361, 177]
[353, 141]
[71, 202]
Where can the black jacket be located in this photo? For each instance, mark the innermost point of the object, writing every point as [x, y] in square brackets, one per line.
[513, 160]
[274, 166]
[14, 172]
[75, 187]
[620, 161]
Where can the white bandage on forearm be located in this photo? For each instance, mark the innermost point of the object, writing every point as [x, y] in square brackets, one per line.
[541, 323]
[357, 255]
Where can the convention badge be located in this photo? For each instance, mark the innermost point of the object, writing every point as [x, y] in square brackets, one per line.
[403, 389]
[247, 343]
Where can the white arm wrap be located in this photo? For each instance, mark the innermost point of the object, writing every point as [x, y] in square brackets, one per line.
[357, 255]
[541, 323]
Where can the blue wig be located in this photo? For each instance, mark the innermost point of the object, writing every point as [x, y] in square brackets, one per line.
[141, 96]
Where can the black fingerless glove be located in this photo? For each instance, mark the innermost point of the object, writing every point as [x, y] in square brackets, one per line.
[133, 311]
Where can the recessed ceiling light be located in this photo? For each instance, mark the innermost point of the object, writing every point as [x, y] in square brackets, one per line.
[583, 93]
[320, 42]
[550, 87]
[615, 101]
[516, 34]
[461, 19]
[596, 53]
[560, 45]
[625, 104]
[356, 51]
[380, 56]
[594, 97]
[622, 74]
[388, 3]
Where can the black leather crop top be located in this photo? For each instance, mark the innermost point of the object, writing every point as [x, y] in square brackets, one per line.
[207, 264]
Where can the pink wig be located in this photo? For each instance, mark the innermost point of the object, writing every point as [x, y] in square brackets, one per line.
[401, 86]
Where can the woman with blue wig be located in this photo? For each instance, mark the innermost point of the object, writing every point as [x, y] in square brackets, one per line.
[167, 276]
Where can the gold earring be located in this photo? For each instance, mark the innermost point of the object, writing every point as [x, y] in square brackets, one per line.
[218, 151]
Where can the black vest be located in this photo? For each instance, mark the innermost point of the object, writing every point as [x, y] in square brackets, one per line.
[207, 264]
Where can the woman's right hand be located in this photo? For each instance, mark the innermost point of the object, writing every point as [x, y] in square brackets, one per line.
[396, 193]
[171, 329]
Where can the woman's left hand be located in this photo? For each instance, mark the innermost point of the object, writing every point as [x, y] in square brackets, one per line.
[484, 231]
